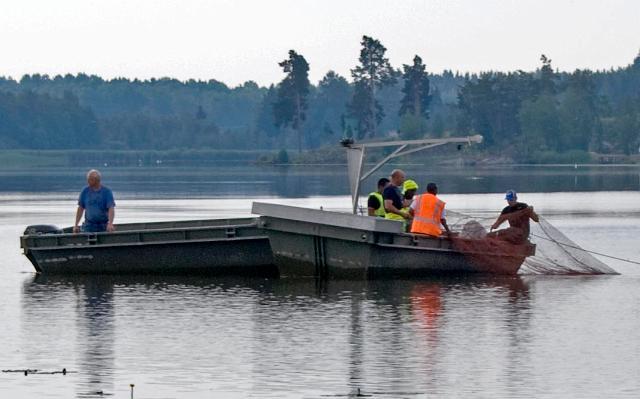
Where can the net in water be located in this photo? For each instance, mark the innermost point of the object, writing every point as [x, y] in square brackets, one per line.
[555, 253]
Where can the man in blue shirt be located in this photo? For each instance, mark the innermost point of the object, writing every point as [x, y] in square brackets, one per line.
[97, 203]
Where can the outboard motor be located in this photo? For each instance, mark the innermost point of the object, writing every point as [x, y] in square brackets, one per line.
[42, 229]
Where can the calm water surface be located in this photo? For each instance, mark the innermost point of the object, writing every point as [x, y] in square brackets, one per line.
[183, 337]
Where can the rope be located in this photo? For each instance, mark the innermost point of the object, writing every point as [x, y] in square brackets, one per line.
[586, 250]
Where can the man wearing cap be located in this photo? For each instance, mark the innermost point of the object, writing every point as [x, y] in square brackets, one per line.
[409, 189]
[428, 212]
[518, 215]
[375, 203]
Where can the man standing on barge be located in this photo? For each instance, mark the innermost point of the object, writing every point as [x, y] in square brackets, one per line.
[97, 203]
[429, 216]
[518, 215]
[375, 202]
[393, 199]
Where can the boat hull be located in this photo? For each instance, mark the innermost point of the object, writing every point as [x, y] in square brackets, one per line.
[196, 247]
[307, 242]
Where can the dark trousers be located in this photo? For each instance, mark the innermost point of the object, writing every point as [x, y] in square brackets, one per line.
[514, 235]
[88, 227]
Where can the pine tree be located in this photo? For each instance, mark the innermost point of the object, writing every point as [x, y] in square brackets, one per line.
[291, 105]
[373, 73]
[416, 89]
[414, 106]
[547, 76]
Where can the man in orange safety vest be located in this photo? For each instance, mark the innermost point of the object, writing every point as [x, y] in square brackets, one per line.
[428, 213]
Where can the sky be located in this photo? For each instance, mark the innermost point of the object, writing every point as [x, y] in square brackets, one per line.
[234, 41]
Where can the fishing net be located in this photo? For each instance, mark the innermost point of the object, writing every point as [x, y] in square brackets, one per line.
[548, 251]
[557, 254]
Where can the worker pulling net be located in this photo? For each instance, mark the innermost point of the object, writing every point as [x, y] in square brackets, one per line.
[554, 252]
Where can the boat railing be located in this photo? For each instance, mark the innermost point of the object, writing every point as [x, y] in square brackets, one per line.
[178, 224]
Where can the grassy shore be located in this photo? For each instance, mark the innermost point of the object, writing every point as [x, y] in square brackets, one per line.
[18, 159]
[13, 159]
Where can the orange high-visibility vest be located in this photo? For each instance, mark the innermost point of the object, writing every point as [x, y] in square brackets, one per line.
[428, 212]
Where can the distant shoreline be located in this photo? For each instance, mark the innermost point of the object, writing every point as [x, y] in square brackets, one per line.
[21, 158]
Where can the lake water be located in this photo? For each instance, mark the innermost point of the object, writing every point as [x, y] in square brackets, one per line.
[185, 337]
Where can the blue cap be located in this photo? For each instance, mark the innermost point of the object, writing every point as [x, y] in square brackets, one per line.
[511, 195]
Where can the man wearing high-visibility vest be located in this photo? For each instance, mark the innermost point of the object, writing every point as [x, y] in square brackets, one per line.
[428, 213]
[409, 190]
[393, 200]
[375, 202]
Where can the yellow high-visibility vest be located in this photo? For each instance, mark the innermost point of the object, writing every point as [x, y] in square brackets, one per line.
[380, 211]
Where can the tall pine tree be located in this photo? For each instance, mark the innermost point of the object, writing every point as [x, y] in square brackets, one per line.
[414, 106]
[291, 105]
[373, 73]
[416, 97]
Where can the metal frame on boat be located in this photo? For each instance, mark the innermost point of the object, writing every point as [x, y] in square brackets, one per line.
[356, 155]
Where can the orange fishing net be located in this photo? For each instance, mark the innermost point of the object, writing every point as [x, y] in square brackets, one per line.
[509, 251]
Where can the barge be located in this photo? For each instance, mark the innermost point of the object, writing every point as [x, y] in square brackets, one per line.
[218, 246]
[311, 242]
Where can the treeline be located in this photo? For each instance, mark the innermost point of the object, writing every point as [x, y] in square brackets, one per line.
[533, 113]
[521, 114]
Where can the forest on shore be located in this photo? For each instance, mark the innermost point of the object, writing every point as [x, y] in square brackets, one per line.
[529, 117]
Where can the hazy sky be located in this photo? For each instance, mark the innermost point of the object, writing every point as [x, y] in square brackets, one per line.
[238, 40]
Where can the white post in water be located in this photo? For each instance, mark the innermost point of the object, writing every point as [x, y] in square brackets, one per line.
[356, 154]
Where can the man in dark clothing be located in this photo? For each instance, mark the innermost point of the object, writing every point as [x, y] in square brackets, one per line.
[518, 215]
[375, 203]
[393, 199]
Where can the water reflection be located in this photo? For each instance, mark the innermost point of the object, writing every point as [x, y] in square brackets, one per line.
[93, 330]
[96, 325]
[283, 337]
